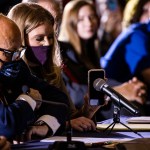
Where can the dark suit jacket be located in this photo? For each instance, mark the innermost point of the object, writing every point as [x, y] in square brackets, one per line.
[16, 116]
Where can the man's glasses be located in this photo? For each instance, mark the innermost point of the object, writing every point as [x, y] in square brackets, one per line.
[15, 54]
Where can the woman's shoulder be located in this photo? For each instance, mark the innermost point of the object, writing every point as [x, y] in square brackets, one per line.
[65, 45]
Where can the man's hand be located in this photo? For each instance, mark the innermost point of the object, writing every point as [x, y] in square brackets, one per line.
[82, 124]
[36, 132]
[4, 144]
[36, 96]
[133, 90]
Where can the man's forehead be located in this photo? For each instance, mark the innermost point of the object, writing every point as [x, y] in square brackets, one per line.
[10, 33]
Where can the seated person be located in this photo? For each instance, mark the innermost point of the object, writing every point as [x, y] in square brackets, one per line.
[43, 55]
[15, 116]
[80, 52]
[129, 55]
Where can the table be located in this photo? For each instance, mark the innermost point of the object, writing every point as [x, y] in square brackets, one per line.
[37, 145]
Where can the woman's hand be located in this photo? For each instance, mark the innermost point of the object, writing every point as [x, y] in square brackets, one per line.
[133, 90]
[89, 110]
[82, 124]
[4, 144]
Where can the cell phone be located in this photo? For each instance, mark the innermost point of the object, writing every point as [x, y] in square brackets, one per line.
[95, 97]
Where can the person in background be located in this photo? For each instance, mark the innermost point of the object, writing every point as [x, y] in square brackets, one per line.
[4, 144]
[17, 109]
[136, 11]
[79, 47]
[43, 55]
[130, 56]
[110, 14]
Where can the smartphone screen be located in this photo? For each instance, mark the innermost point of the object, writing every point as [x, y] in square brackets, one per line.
[95, 97]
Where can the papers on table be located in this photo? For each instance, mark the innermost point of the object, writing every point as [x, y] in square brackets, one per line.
[120, 127]
[142, 119]
[86, 140]
[136, 123]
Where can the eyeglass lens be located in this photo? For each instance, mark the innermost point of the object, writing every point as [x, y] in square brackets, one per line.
[18, 54]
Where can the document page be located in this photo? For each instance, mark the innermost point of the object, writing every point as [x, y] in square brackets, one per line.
[86, 140]
[142, 119]
[120, 127]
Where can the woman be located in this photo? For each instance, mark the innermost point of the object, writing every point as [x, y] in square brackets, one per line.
[136, 11]
[42, 54]
[79, 47]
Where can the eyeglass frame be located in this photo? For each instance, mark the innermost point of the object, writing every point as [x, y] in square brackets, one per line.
[13, 58]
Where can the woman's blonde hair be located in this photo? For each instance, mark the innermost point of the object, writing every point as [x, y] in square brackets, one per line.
[133, 12]
[28, 16]
[68, 31]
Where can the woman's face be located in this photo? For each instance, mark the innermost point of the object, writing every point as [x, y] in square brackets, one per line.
[87, 23]
[146, 13]
[43, 35]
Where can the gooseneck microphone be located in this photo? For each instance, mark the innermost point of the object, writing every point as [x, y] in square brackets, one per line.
[120, 101]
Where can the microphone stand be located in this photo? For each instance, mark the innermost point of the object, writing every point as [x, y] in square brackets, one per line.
[116, 119]
[69, 144]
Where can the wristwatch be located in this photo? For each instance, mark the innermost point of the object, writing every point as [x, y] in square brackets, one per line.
[40, 123]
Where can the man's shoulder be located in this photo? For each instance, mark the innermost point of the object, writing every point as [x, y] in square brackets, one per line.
[142, 27]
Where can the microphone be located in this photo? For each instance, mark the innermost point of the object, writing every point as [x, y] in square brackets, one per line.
[100, 85]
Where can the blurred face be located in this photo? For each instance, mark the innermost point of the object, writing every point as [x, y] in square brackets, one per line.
[41, 36]
[54, 9]
[87, 23]
[146, 13]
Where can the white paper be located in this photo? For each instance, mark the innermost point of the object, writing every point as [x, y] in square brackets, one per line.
[87, 140]
[142, 119]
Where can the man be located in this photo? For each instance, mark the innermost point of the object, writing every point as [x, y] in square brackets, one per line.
[17, 109]
[129, 55]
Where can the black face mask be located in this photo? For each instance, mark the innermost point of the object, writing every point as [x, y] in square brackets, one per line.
[10, 69]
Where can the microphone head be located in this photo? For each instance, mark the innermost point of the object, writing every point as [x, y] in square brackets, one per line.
[25, 89]
[98, 84]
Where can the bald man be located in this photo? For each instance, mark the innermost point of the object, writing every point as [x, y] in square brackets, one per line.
[17, 109]
[20, 111]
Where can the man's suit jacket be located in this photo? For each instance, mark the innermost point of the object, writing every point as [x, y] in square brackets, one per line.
[16, 116]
